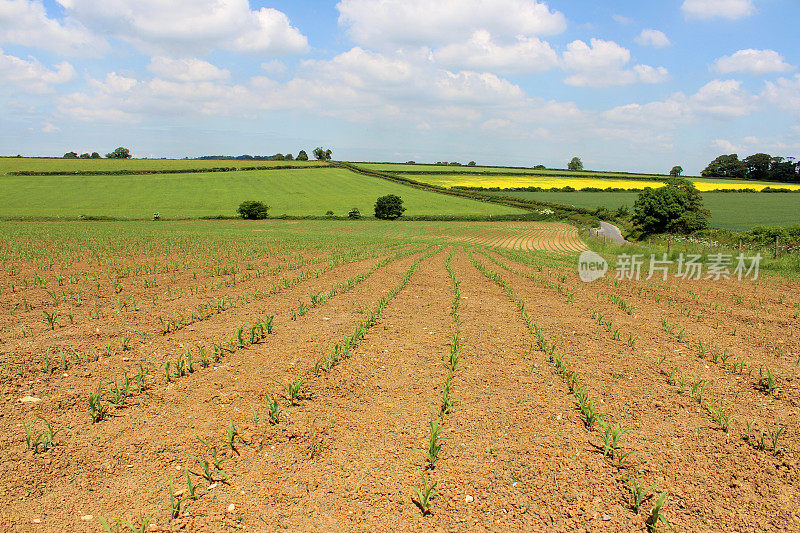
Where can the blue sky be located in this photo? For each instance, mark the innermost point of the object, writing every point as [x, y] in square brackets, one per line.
[625, 85]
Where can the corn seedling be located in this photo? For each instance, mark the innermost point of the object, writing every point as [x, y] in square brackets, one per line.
[775, 437]
[274, 410]
[767, 379]
[657, 516]
[292, 390]
[232, 434]
[96, 408]
[610, 437]
[435, 443]
[256, 411]
[639, 493]
[425, 493]
[191, 489]
[51, 318]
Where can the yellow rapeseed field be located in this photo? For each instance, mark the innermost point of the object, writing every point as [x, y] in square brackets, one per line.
[506, 182]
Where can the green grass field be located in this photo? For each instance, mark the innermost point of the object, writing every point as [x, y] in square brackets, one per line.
[301, 192]
[734, 211]
[51, 164]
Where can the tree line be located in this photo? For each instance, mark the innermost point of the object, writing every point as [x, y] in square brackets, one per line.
[119, 153]
[760, 166]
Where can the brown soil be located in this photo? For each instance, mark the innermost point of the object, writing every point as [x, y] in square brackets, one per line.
[518, 456]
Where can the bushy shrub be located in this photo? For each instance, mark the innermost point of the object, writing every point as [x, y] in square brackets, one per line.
[253, 210]
[389, 207]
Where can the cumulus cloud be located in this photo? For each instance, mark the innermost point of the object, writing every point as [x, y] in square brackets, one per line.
[190, 27]
[756, 62]
[720, 99]
[604, 64]
[390, 24]
[187, 69]
[32, 76]
[724, 145]
[481, 52]
[707, 9]
[784, 94]
[25, 22]
[653, 38]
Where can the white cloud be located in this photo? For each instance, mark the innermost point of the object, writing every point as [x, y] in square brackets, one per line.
[724, 145]
[16, 73]
[784, 94]
[648, 74]
[723, 99]
[621, 19]
[756, 62]
[189, 69]
[719, 99]
[190, 27]
[25, 22]
[603, 64]
[273, 66]
[481, 52]
[653, 38]
[50, 128]
[391, 24]
[729, 9]
[119, 98]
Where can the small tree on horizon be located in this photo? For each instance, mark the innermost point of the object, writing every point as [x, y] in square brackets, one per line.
[302, 155]
[120, 153]
[575, 164]
[322, 154]
[71, 155]
[676, 171]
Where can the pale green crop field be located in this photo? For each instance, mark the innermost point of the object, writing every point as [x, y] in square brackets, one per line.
[301, 192]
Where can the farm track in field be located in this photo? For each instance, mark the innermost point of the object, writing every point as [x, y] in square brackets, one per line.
[712, 474]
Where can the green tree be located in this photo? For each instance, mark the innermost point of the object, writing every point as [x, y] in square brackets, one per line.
[71, 155]
[85, 156]
[389, 207]
[575, 164]
[725, 166]
[120, 153]
[758, 166]
[288, 157]
[471, 164]
[676, 207]
[676, 171]
[95, 155]
[277, 157]
[302, 155]
[253, 210]
[322, 154]
[354, 213]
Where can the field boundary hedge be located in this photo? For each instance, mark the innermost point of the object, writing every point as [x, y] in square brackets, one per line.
[157, 171]
[575, 214]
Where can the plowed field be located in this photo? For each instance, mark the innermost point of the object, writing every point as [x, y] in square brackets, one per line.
[310, 376]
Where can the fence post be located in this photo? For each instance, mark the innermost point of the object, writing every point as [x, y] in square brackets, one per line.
[740, 246]
[777, 243]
